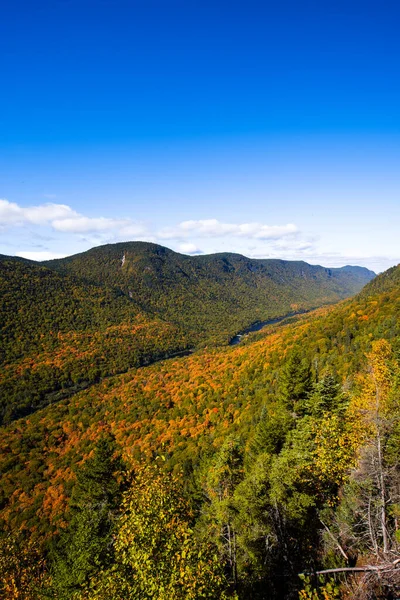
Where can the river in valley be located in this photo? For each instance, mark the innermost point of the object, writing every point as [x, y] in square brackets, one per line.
[260, 325]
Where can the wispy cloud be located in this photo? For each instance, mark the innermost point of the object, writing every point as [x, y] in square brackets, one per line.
[11, 214]
[80, 224]
[64, 219]
[213, 228]
[71, 231]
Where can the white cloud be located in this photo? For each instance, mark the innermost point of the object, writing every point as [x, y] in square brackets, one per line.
[311, 254]
[188, 248]
[80, 224]
[214, 228]
[48, 213]
[63, 218]
[76, 232]
[134, 231]
[12, 214]
[44, 255]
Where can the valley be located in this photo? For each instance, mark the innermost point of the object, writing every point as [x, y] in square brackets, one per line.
[199, 300]
[263, 437]
[258, 325]
[72, 322]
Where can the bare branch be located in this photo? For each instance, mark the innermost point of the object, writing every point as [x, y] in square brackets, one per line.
[339, 547]
[385, 567]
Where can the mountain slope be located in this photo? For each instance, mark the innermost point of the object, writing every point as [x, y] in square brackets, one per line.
[66, 324]
[383, 283]
[183, 408]
[212, 296]
[59, 335]
[229, 411]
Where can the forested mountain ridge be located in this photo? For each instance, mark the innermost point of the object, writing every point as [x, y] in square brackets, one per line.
[384, 282]
[276, 438]
[212, 296]
[59, 335]
[67, 323]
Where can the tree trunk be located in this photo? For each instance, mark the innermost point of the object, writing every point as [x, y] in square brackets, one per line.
[381, 477]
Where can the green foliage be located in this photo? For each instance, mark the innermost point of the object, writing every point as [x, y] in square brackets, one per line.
[212, 297]
[271, 430]
[186, 407]
[157, 555]
[295, 381]
[219, 480]
[59, 335]
[280, 435]
[323, 590]
[66, 325]
[99, 481]
[326, 396]
[255, 533]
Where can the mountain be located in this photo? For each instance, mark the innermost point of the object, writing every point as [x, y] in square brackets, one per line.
[385, 282]
[60, 335]
[66, 324]
[187, 406]
[211, 296]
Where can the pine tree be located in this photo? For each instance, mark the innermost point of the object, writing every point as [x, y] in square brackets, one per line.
[295, 382]
[86, 545]
[326, 396]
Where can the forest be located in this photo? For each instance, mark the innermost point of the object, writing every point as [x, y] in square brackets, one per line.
[212, 297]
[67, 325]
[266, 470]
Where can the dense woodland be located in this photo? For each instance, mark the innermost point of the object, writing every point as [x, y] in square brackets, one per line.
[268, 470]
[78, 320]
[59, 335]
[212, 296]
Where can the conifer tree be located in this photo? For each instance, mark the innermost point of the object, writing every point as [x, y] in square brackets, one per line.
[219, 482]
[86, 545]
[295, 382]
[326, 396]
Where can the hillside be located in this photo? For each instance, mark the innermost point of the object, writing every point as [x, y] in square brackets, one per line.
[214, 390]
[211, 296]
[267, 439]
[297, 430]
[68, 323]
[59, 335]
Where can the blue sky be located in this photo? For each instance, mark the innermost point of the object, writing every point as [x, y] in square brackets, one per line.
[269, 129]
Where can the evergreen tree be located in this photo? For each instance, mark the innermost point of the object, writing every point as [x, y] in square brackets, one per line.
[219, 482]
[271, 430]
[325, 396]
[295, 382]
[86, 545]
